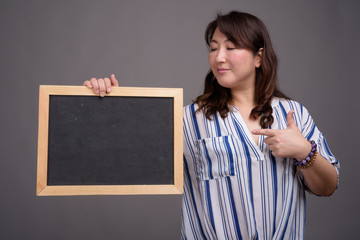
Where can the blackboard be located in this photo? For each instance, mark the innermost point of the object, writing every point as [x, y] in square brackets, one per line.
[125, 143]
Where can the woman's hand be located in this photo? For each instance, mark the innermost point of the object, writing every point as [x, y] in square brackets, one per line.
[321, 177]
[287, 143]
[102, 86]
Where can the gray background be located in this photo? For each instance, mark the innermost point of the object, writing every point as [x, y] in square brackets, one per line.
[160, 44]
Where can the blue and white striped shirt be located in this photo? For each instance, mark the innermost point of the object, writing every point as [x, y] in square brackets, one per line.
[236, 189]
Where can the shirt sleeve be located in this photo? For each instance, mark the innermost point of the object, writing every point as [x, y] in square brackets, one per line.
[191, 213]
[311, 132]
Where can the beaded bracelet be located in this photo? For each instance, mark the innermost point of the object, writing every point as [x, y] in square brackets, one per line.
[309, 160]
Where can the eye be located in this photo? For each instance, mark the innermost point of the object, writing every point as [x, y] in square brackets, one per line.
[230, 48]
[213, 49]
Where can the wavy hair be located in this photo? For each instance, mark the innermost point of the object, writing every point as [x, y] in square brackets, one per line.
[245, 31]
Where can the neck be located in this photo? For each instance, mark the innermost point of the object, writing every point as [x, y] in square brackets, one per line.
[243, 97]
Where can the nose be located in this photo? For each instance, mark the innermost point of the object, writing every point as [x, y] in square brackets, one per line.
[221, 55]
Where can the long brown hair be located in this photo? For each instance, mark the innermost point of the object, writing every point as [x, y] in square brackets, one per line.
[245, 31]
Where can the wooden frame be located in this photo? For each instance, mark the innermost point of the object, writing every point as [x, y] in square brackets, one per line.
[43, 189]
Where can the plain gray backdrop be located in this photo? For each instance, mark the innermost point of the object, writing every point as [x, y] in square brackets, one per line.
[160, 44]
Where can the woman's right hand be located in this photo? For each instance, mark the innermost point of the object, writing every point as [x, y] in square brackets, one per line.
[102, 86]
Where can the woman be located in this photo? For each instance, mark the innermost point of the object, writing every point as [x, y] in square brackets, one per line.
[247, 155]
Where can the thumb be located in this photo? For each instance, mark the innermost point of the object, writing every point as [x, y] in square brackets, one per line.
[290, 119]
[114, 81]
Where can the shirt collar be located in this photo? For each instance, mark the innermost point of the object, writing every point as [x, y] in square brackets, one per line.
[274, 104]
[233, 108]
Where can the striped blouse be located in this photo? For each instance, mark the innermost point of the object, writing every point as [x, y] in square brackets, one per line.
[236, 189]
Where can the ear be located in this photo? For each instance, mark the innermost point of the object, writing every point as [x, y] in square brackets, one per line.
[258, 57]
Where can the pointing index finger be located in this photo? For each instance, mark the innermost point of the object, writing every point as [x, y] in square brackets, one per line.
[266, 132]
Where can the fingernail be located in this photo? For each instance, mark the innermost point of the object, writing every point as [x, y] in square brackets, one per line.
[97, 90]
[102, 93]
[108, 90]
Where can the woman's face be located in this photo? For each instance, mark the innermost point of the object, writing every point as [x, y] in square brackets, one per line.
[233, 67]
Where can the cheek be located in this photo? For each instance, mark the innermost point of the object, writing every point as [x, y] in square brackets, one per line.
[238, 59]
[212, 63]
[211, 59]
[243, 56]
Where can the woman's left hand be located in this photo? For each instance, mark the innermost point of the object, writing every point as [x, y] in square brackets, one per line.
[287, 143]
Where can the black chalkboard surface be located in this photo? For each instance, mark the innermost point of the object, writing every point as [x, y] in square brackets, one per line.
[119, 144]
[110, 141]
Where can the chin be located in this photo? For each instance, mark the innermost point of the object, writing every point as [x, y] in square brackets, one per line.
[224, 83]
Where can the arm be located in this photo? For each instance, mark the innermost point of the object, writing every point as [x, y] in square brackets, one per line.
[321, 177]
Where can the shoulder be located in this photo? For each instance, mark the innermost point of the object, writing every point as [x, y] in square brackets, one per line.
[190, 110]
[195, 117]
[282, 106]
[191, 106]
[286, 105]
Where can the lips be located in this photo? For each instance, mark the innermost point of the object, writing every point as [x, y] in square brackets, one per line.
[222, 70]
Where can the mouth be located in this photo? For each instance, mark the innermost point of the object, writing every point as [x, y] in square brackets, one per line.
[222, 70]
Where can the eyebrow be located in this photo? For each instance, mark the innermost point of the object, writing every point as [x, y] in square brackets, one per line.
[214, 41]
